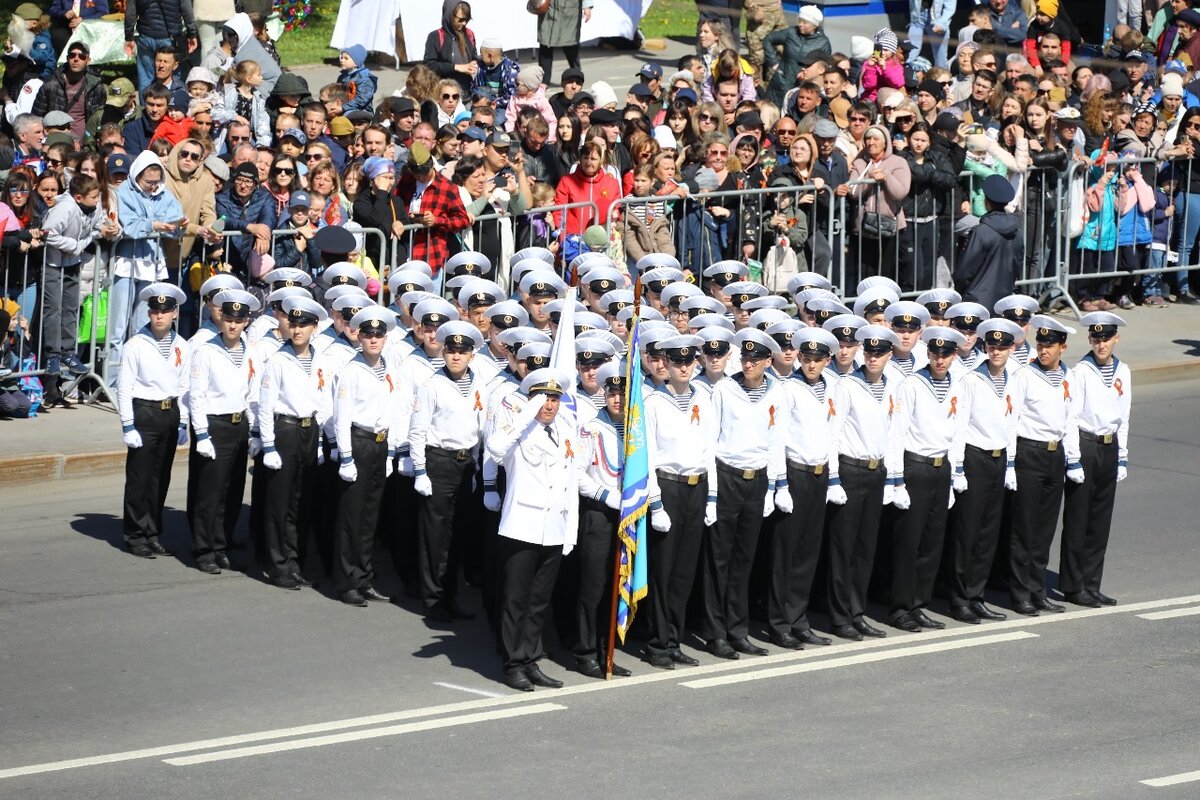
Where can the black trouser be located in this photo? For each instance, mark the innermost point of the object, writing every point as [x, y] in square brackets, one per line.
[673, 558]
[853, 530]
[403, 537]
[216, 486]
[357, 513]
[529, 574]
[918, 256]
[975, 524]
[918, 533]
[1040, 477]
[729, 555]
[148, 469]
[1087, 516]
[795, 548]
[597, 549]
[546, 57]
[287, 505]
[493, 562]
[450, 473]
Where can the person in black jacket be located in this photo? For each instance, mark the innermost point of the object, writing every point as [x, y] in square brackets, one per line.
[1049, 161]
[932, 180]
[994, 249]
[377, 206]
[450, 51]
[68, 85]
[944, 143]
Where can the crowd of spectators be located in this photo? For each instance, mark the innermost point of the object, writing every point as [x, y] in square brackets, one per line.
[191, 165]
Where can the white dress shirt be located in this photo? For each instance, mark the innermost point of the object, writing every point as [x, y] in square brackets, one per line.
[1102, 407]
[924, 425]
[749, 434]
[1045, 413]
[682, 441]
[219, 384]
[364, 397]
[860, 425]
[443, 417]
[807, 429]
[288, 389]
[146, 374]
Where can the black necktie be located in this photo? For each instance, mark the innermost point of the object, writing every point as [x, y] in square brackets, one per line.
[550, 433]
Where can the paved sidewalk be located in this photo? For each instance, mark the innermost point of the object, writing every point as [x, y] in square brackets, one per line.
[1160, 345]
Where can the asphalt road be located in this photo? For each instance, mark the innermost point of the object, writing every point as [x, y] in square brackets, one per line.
[128, 678]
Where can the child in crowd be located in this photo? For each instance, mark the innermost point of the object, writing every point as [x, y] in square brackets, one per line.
[360, 83]
[884, 68]
[202, 87]
[334, 97]
[646, 227]
[1154, 288]
[296, 251]
[498, 74]
[178, 123]
[358, 256]
[244, 102]
[537, 229]
[531, 93]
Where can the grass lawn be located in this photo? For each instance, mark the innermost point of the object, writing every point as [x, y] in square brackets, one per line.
[667, 19]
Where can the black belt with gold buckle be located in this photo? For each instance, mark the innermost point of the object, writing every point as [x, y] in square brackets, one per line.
[988, 453]
[815, 469]
[164, 405]
[674, 477]
[865, 463]
[933, 461]
[1098, 438]
[303, 422]
[1049, 447]
[744, 474]
[457, 455]
[235, 418]
[378, 436]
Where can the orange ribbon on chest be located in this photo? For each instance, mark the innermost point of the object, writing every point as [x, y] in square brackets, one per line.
[1119, 387]
[695, 413]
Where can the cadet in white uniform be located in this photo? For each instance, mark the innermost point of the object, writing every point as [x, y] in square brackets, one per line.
[844, 328]
[906, 319]
[218, 407]
[538, 448]
[1020, 309]
[1102, 393]
[152, 379]
[209, 326]
[966, 319]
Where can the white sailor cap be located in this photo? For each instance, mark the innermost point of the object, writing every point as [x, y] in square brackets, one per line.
[649, 337]
[1017, 307]
[304, 310]
[614, 301]
[434, 311]
[507, 314]
[585, 262]
[937, 301]
[418, 265]
[589, 350]
[815, 342]
[699, 304]
[823, 308]
[375, 318]
[525, 266]
[535, 354]
[411, 298]
[603, 279]
[681, 347]
[280, 277]
[343, 272]
[741, 292]
[1049, 330]
[766, 317]
[677, 292]
[406, 280]
[878, 280]
[717, 340]
[753, 343]
[874, 300]
[236, 303]
[468, 262]
[279, 295]
[877, 338]
[942, 340]
[966, 315]
[162, 296]
[611, 376]
[459, 281]
[351, 303]
[1000, 331]
[521, 335]
[1101, 324]
[589, 321]
[656, 261]
[555, 307]
[705, 320]
[782, 331]
[459, 335]
[726, 272]
[480, 292]
[766, 301]
[222, 280]
[334, 292]
[844, 326]
[539, 253]
[908, 313]
[806, 280]
[647, 313]
[803, 298]
[659, 278]
[546, 380]
[614, 341]
[543, 283]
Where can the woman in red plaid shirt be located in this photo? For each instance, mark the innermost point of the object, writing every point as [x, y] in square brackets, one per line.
[434, 202]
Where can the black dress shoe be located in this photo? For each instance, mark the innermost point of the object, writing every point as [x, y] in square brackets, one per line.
[983, 612]
[141, 551]
[157, 548]
[1104, 599]
[847, 632]
[1025, 607]
[517, 679]
[209, 567]
[457, 611]
[439, 613]
[721, 649]
[353, 598]
[285, 582]
[539, 678]
[681, 658]
[925, 621]
[786, 641]
[620, 672]
[904, 622]
[809, 636]
[223, 561]
[374, 595]
[589, 667]
[1042, 604]
[964, 614]
[867, 629]
[748, 647]
[301, 580]
[660, 660]
[1084, 599]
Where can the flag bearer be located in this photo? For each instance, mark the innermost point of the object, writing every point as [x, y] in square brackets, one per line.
[152, 379]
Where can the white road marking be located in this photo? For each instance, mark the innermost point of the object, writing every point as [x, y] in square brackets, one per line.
[1177, 612]
[584, 688]
[468, 689]
[859, 658]
[358, 736]
[1172, 780]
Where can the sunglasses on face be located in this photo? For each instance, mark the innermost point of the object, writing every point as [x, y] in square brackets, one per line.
[17, 190]
[190, 155]
[76, 55]
[448, 96]
[285, 171]
[707, 118]
[786, 132]
[314, 156]
[239, 138]
[57, 162]
[718, 152]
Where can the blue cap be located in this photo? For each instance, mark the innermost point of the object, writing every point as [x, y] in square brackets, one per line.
[118, 164]
[296, 134]
[474, 132]
[299, 200]
[1176, 66]
[687, 94]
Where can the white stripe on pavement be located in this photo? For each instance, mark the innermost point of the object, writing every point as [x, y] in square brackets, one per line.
[468, 689]
[358, 736]
[1178, 612]
[1172, 780]
[859, 658]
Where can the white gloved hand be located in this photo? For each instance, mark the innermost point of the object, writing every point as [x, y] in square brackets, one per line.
[182, 438]
[405, 466]
[783, 500]
[900, 499]
[567, 548]
[204, 447]
[612, 500]
[132, 439]
[1122, 473]
[491, 501]
[836, 494]
[1075, 474]
[958, 483]
[889, 491]
[710, 514]
[768, 504]
[320, 454]
[348, 471]
[660, 521]
[950, 504]
[272, 460]
[255, 447]
[389, 466]
[423, 485]
[1010, 479]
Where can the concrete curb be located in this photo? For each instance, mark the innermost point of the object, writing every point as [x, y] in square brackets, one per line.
[62, 466]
